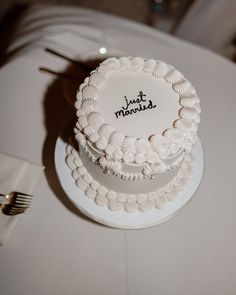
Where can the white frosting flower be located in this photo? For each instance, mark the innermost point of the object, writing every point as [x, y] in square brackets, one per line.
[174, 148]
[106, 131]
[150, 171]
[131, 198]
[184, 125]
[88, 130]
[90, 193]
[81, 184]
[153, 158]
[89, 91]
[87, 178]
[139, 158]
[111, 195]
[117, 139]
[160, 202]
[81, 170]
[101, 200]
[116, 206]
[96, 79]
[79, 98]
[197, 108]
[131, 207]
[101, 143]
[141, 198]
[136, 64]
[146, 206]
[128, 157]
[149, 65]
[80, 112]
[94, 137]
[173, 76]
[110, 165]
[104, 69]
[160, 145]
[153, 196]
[117, 155]
[88, 105]
[128, 145]
[125, 64]
[189, 114]
[112, 62]
[102, 190]
[160, 70]
[94, 185]
[121, 197]
[184, 88]
[174, 135]
[115, 167]
[161, 167]
[80, 138]
[77, 162]
[83, 121]
[189, 101]
[109, 149]
[143, 146]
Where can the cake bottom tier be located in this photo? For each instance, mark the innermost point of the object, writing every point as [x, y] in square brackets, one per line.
[116, 194]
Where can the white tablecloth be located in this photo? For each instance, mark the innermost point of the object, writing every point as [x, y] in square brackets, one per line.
[55, 249]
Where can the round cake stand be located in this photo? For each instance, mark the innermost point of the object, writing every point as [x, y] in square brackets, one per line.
[124, 220]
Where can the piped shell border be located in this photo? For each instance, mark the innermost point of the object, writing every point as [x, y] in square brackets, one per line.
[119, 147]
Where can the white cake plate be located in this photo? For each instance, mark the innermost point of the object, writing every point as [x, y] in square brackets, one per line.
[124, 220]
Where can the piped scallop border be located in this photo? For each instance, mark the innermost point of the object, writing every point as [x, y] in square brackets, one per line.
[119, 147]
[116, 201]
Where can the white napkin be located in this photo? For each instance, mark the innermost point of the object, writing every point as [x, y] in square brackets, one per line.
[15, 175]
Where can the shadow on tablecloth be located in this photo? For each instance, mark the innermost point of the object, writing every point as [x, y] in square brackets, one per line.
[58, 110]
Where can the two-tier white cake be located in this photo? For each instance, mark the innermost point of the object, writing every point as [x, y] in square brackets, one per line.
[136, 126]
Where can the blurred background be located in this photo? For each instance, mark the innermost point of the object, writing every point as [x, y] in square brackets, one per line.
[211, 24]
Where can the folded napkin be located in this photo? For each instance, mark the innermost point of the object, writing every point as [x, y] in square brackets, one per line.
[15, 175]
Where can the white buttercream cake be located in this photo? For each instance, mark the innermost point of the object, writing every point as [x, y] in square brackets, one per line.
[137, 123]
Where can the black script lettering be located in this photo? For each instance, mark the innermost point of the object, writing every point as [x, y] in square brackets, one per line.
[140, 100]
[119, 113]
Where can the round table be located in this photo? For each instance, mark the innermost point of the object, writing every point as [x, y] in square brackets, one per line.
[55, 249]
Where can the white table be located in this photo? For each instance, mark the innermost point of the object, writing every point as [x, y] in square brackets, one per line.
[54, 249]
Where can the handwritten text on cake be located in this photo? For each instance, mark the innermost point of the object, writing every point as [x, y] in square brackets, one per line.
[133, 106]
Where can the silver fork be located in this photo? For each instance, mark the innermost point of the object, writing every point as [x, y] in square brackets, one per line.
[15, 203]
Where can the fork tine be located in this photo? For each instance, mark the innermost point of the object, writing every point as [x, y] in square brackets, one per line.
[11, 211]
[22, 201]
[14, 213]
[14, 209]
[23, 197]
[20, 207]
[17, 203]
[23, 194]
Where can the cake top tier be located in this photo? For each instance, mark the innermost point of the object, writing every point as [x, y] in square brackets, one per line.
[137, 110]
